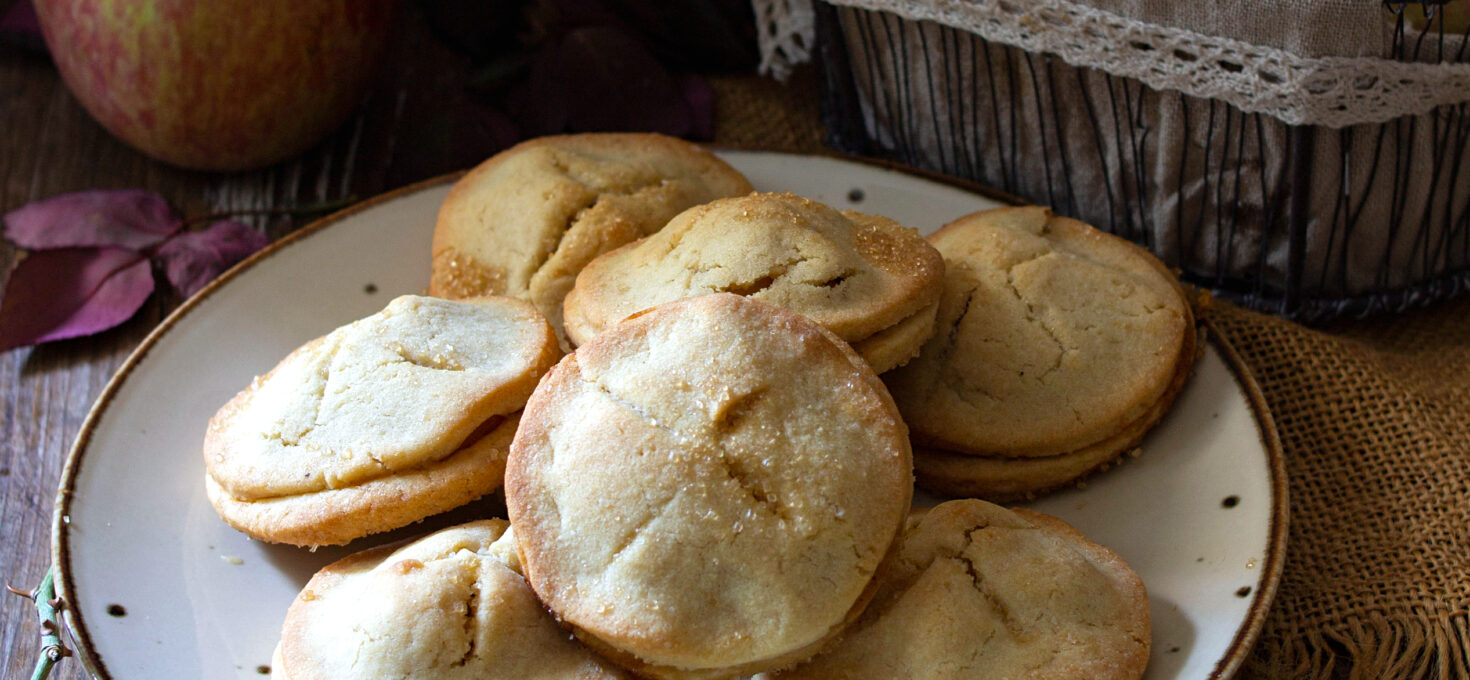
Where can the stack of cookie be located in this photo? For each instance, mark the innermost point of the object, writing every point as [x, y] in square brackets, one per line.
[1059, 347]
[716, 482]
[870, 280]
[378, 424]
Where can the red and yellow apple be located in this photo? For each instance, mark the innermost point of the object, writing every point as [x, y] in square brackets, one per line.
[218, 84]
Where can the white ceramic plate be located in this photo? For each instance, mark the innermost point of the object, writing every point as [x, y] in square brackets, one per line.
[158, 587]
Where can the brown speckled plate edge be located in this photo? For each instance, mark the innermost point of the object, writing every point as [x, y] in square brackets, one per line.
[1235, 656]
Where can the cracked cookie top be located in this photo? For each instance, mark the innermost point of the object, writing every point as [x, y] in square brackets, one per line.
[706, 489]
[978, 591]
[387, 394]
[1051, 336]
[855, 274]
[524, 222]
[449, 606]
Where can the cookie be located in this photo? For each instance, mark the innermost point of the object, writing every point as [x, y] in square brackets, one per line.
[1053, 339]
[1004, 478]
[860, 276]
[447, 606]
[706, 489]
[896, 345]
[978, 591]
[379, 423]
[336, 516]
[524, 222]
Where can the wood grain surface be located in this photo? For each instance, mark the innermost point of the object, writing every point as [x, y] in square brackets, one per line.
[416, 125]
[419, 122]
[50, 145]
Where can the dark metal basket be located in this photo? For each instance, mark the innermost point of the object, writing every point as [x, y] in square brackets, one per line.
[1304, 221]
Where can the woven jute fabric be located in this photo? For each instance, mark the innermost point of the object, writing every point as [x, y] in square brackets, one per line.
[1374, 418]
[759, 113]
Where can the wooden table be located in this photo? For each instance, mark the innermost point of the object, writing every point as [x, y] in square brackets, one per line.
[419, 122]
[406, 132]
[51, 146]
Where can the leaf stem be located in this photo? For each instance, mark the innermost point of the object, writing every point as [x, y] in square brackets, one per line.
[48, 610]
[296, 211]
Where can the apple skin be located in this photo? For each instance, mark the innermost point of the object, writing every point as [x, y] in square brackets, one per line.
[218, 84]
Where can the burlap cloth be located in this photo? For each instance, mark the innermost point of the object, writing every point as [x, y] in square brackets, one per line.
[1374, 417]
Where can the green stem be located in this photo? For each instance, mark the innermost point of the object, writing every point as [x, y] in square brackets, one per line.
[48, 610]
[43, 666]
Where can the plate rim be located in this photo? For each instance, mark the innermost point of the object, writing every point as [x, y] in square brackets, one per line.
[1255, 620]
[75, 623]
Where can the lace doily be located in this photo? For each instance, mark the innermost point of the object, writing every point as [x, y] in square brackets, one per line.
[786, 29]
[1330, 91]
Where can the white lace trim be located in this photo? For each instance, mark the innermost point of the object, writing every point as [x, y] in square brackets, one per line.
[1330, 91]
[787, 32]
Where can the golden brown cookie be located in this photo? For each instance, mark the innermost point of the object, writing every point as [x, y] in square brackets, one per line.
[1053, 339]
[449, 606]
[896, 345]
[706, 490]
[380, 423]
[336, 516]
[526, 221]
[858, 275]
[978, 591]
[1008, 478]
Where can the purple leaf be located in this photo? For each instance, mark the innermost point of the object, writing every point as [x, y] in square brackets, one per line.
[70, 292]
[617, 84]
[20, 17]
[123, 218]
[706, 36]
[478, 28]
[601, 79]
[458, 133]
[194, 258]
[540, 106]
[701, 98]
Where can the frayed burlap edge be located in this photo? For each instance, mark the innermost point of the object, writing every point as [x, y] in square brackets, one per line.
[1373, 419]
[1361, 621]
[1378, 645]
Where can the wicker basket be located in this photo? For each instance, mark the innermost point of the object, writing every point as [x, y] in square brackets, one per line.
[1305, 221]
